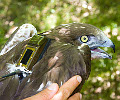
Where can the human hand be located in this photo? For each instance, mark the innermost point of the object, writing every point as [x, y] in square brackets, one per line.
[53, 92]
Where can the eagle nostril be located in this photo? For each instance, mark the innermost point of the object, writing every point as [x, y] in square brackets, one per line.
[104, 42]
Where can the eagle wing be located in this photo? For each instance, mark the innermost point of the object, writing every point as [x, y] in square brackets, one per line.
[60, 62]
[9, 55]
[9, 86]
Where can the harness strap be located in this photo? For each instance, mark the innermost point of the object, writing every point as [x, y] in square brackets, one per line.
[32, 53]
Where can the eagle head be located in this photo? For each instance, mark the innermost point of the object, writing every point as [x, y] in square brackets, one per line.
[80, 33]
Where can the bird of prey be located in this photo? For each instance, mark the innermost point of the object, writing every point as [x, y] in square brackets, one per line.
[30, 62]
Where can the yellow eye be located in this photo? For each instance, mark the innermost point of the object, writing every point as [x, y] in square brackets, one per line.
[84, 39]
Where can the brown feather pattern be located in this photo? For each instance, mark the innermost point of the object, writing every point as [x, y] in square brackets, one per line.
[62, 60]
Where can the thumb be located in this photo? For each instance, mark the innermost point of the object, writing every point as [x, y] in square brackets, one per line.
[46, 94]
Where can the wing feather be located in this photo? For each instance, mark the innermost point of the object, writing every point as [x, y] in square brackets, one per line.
[60, 63]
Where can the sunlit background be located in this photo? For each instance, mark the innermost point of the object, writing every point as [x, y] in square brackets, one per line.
[104, 81]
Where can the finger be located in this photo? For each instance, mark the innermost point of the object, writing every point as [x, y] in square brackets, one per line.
[76, 96]
[46, 94]
[67, 88]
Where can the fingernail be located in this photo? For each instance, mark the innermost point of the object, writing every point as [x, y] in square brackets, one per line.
[80, 96]
[52, 87]
[79, 79]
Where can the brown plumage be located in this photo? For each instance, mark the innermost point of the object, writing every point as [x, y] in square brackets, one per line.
[66, 56]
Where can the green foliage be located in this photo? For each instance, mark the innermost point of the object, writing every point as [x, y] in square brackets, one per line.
[104, 81]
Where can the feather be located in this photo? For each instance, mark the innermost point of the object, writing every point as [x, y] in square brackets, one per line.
[66, 56]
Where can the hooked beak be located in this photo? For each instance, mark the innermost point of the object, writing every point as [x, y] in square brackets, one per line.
[99, 53]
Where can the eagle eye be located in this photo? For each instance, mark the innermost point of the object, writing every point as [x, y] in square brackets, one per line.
[84, 39]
